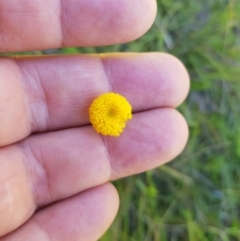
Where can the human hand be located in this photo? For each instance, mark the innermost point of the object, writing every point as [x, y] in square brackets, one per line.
[55, 168]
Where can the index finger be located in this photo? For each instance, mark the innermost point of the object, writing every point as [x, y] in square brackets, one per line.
[43, 24]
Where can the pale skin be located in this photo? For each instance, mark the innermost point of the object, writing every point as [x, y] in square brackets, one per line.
[55, 170]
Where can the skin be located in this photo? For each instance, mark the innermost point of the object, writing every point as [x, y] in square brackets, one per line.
[55, 169]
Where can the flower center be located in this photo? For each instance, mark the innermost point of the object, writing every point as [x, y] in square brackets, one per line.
[112, 112]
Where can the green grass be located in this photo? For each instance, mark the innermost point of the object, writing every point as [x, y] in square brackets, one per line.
[197, 196]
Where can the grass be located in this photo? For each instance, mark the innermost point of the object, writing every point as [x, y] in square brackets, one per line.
[197, 196]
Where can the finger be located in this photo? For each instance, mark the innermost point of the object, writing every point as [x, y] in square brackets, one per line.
[83, 217]
[54, 166]
[17, 203]
[55, 93]
[44, 24]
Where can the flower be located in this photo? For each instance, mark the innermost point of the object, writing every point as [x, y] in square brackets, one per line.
[109, 113]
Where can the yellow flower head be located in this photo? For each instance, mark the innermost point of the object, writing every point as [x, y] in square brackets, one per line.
[109, 113]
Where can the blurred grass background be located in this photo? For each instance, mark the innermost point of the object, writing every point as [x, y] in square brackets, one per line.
[197, 196]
